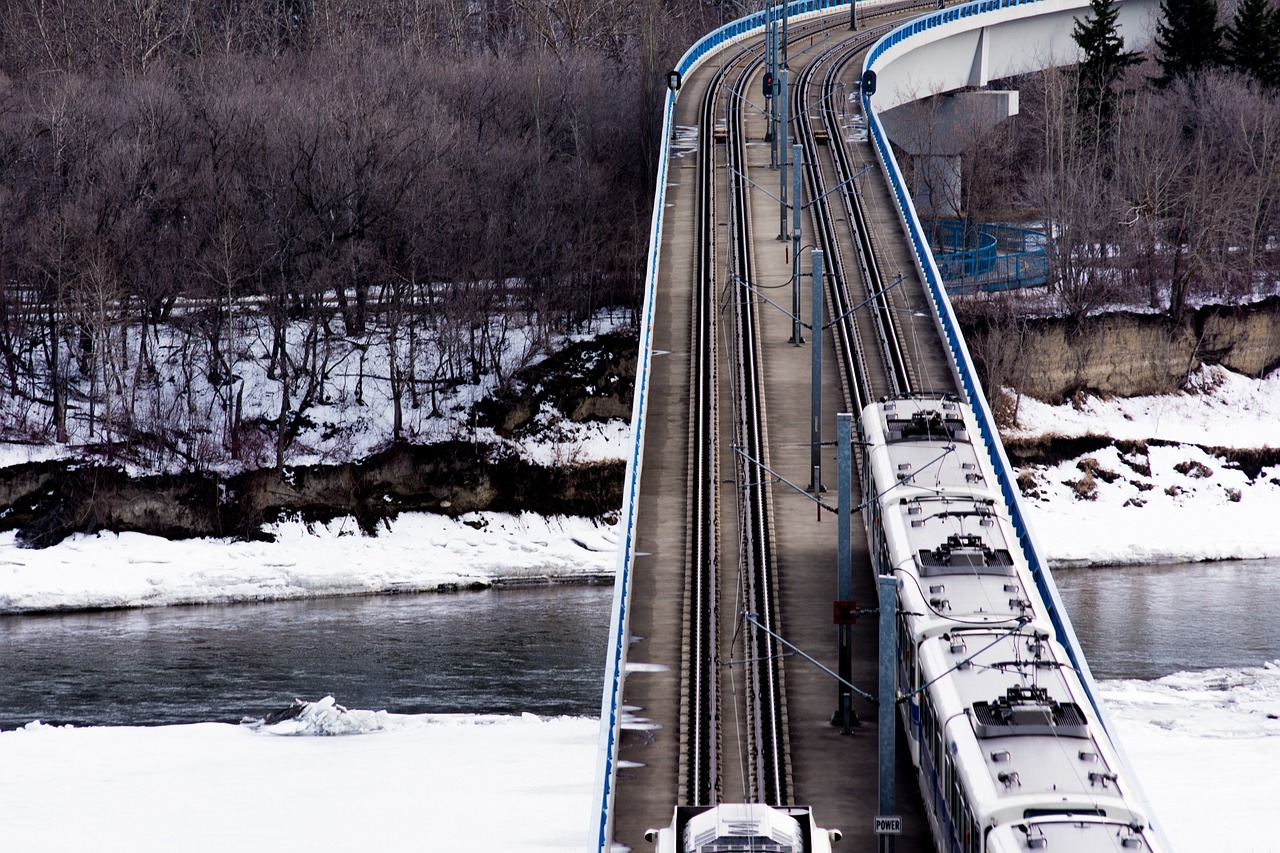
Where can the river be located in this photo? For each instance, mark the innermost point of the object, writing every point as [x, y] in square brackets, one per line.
[503, 651]
[495, 651]
[1151, 621]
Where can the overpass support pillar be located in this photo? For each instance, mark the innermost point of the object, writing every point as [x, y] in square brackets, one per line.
[935, 131]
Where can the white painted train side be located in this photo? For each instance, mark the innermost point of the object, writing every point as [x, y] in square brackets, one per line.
[1009, 751]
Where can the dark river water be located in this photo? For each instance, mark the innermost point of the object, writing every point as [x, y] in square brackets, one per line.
[1150, 621]
[506, 651]
[499, 651]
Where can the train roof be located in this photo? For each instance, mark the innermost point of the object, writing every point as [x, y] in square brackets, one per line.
[923, 447]
[1068, 835]
[1014, 705]
[742, 828]
[945, 528]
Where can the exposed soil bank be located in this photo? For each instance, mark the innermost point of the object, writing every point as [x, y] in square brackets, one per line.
[1125, 354]
[1049, 450]
[1121, 354]
[46, 502]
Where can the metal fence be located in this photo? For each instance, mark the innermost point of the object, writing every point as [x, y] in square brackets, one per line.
[973, 257]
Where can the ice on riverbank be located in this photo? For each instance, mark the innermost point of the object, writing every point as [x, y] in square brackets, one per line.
[418, 552]
[1203, 744]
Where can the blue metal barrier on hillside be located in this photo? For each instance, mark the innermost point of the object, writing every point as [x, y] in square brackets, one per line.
[973, 257]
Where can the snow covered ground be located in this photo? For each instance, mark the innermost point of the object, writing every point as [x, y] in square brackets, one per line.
[1175, 503]
[1205, 744]
[418, 552]
[427, 782]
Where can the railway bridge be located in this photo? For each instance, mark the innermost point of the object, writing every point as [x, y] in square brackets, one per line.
[789, 279]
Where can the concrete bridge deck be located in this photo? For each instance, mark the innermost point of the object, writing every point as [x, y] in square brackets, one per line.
[833, 773]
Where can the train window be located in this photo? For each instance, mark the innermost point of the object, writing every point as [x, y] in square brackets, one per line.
[954, 804]
[944, 781]
[967, 842]
[907, 649]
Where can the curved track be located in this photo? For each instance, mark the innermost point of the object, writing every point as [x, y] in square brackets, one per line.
[744, 722]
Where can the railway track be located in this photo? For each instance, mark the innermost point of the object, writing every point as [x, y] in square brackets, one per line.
[733, 685]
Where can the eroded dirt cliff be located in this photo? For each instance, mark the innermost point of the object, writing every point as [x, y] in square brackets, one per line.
[1122, 354]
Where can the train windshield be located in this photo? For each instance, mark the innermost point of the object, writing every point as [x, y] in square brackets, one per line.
[747, 828]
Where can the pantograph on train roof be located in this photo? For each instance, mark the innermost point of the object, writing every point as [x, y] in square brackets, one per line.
[964, 553]
[921, 420]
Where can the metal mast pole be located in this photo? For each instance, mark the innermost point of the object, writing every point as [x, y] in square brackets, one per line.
[797, 329]
[771, 105]
[815, 397]
[888, 691]
[783, 134]
[844, 568]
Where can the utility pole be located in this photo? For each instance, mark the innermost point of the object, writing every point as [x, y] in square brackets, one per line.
[783, 138]
[888, 691]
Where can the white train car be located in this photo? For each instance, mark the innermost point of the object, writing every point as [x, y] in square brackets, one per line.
[742, 828]
[1009, 751]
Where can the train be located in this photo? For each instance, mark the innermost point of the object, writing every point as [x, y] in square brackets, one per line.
[1009, 751]
[743, 828]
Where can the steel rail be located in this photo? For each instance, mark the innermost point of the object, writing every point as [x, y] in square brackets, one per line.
[700, 737]
[768, 777]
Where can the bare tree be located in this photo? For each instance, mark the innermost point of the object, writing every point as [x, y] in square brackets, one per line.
[1073, 193]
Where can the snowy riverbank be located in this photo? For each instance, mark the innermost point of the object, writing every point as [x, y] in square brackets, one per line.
[1204, 743]
[418, 552]
[1173, 503]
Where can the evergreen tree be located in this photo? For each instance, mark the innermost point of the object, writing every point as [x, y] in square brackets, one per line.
[1253, 42]
[1103, 65]
[1188, 38]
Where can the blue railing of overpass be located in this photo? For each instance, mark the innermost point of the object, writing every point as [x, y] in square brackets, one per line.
[616, 656]
[966, 374]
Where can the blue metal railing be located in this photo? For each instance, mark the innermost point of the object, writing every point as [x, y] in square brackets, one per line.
[987, 257]
[962, 361]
